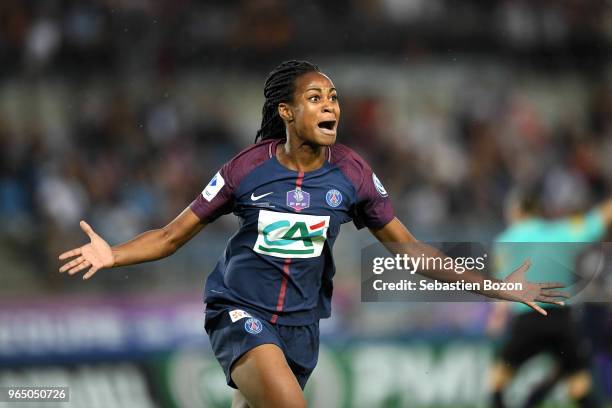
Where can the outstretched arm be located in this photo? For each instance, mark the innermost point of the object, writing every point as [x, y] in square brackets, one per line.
[398, 240]
[148, 246]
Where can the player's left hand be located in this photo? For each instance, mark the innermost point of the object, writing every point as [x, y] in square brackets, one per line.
[533, 292]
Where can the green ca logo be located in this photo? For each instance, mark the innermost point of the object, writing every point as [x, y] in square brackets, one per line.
[291, 235]
[296, 232]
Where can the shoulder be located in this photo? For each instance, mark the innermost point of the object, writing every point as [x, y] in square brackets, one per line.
[357, 171]
[344, 156]
[350, 163]
[256, 153]
[247, 160]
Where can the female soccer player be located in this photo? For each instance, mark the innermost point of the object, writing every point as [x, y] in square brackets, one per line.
[291, 190]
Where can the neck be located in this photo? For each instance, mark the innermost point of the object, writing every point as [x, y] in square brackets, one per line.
[299, 155]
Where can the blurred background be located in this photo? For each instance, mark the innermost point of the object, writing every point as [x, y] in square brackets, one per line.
[120, 111]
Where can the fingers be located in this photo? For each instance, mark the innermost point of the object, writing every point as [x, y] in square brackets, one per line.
[87, 229]
[552, 285]
[524, 266]
[552, 301]
[78, 251]
[90, 272]
[79, 267]
[537, 308]
[519, 273]
[555, 293]
[71, 253]
[71, 264]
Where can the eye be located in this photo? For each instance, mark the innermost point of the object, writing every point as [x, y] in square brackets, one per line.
[314, 98]
[334, 98]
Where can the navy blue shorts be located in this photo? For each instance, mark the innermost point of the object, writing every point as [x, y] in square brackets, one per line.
[231, 339]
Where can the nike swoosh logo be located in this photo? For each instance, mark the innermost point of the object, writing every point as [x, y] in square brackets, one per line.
[255, 198]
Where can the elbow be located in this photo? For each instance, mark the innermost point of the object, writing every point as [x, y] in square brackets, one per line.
[169, 242]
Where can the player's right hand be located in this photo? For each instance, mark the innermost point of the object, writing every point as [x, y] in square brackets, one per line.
[95, 255]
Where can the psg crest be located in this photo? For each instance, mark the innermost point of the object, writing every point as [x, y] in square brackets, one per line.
[333, 198]
[253, 326]
[298, 199]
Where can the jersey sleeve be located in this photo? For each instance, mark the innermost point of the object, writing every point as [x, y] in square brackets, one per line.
[217, 197]
[584, 228]
[373, 208]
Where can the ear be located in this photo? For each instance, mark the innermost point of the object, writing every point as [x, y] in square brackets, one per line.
[285, 112]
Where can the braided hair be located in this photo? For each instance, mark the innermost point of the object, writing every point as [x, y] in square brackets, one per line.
[279, 88]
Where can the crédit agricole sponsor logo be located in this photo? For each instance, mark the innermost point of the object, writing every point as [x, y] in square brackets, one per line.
[287, 235]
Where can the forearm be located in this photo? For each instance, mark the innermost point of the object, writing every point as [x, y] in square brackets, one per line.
[398, 240]
[148, 246]
[436, 270]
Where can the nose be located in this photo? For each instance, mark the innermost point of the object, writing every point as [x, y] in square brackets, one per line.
[328, 107]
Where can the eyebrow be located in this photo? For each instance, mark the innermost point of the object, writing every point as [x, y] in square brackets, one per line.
[320, 89]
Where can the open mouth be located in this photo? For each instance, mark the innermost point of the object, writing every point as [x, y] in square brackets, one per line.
[327, 126]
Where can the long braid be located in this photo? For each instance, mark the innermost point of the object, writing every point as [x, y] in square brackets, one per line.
[279, 88]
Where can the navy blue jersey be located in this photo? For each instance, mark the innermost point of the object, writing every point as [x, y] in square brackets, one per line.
[279, 263]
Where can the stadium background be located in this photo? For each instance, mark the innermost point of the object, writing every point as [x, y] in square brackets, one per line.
[120, 111]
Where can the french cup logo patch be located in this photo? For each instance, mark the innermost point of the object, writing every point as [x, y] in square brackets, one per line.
[298, 199]
[287, 235]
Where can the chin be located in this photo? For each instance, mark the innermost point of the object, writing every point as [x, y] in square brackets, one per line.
[317, 138]
[326, 141]
[322, 139]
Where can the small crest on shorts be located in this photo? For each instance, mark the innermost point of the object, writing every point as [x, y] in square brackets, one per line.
[253, 325]
[333, 198]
